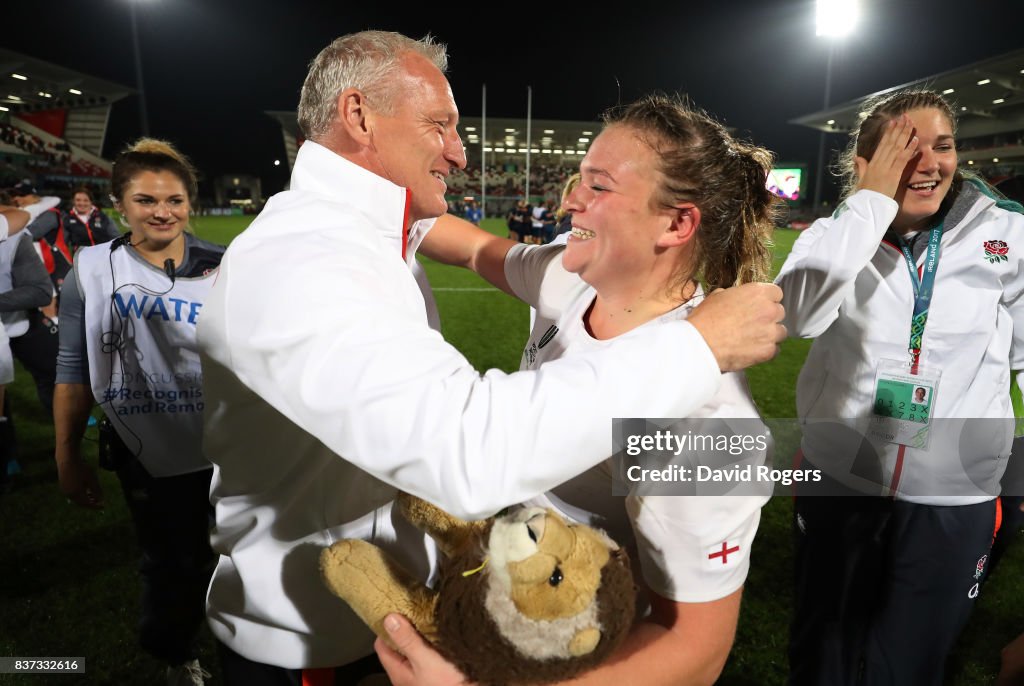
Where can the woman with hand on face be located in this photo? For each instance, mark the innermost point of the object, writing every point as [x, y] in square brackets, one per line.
[669, 206]
[127, 342]
[912, 289]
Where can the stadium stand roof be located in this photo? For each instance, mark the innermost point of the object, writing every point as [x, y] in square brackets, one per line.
[45, 86]
[61, 114]
[505, 136]
[508, 136]
[290, 132]
[988, 95]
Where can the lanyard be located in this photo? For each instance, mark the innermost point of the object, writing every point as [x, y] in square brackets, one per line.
[923, 288]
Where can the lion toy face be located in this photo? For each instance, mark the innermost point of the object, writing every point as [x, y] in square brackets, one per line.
[523, 598]
[544, 581]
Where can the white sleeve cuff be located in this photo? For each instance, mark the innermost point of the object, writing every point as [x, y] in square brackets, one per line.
[45, 203]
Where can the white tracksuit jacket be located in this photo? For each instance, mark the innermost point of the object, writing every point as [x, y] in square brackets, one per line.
[326, 389]
[851, 290]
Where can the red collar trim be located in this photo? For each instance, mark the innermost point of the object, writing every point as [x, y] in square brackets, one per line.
[405, 222]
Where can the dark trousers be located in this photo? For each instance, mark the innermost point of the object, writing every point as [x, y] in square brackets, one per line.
[172, 517]
[1013, 520]
[241, 671]
[883, 588]
[8, 442]
[36, 349]
[1012, 485]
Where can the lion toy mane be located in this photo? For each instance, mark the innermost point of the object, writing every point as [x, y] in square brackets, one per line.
[522, 598]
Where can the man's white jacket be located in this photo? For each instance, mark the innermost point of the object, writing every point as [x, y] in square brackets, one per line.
[326, 389]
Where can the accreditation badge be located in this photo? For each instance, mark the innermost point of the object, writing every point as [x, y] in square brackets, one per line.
[901, 407]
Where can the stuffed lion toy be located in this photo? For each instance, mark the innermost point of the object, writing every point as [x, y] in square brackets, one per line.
[522, 598]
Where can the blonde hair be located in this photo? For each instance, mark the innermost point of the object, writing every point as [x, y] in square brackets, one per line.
[570, 186]
[700, 162]
[367, 61]
[874, 115]
[152, 154]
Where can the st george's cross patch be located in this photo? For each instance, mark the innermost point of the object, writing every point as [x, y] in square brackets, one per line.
[722, 554]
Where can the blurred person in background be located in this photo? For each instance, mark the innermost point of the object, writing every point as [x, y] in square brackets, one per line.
[518, 221]
[87, 224]
[563, 217]
[13, 219]
[52, 240]
[24, 287]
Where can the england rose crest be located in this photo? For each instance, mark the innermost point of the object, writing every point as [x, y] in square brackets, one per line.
[995, 251]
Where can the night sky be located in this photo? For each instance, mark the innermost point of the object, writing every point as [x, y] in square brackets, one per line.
[211, 67]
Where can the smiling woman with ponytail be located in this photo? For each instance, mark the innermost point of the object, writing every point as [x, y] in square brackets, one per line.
[669, 207]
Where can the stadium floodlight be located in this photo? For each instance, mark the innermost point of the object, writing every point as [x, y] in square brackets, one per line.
[74, 91]
[139, 83]
[19, 77]
[277, 163]
[837, 18]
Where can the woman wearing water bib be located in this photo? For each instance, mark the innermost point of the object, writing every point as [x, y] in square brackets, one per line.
[127, 341]
[912, 289]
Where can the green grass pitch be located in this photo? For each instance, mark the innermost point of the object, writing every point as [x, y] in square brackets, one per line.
[68, 582]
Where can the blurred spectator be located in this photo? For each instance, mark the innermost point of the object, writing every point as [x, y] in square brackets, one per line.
[518, 220]
[86, 224]
[24, 288]
[473, 212]
[51, 242]
[548, 222]
[563, 218]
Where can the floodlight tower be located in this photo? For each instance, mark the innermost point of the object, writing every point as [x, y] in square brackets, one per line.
[836, 19]
[143, 117]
